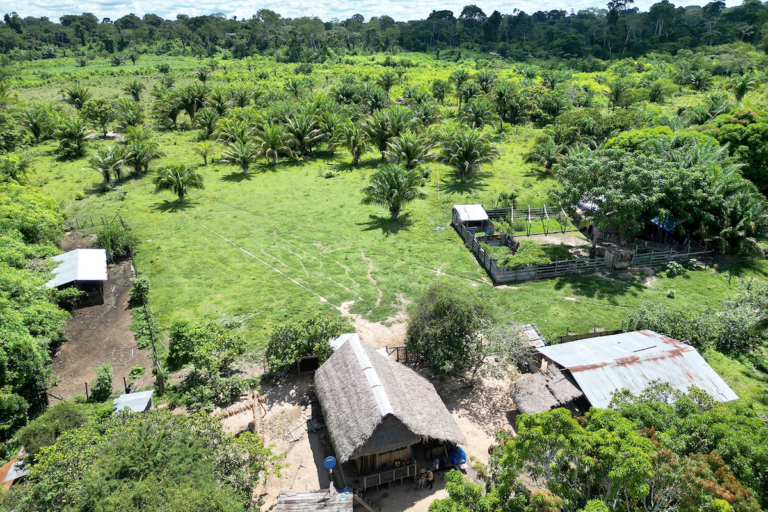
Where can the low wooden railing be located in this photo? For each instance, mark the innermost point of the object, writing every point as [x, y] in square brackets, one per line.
[389, 476]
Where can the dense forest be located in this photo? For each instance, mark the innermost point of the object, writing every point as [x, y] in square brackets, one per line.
[591, 36]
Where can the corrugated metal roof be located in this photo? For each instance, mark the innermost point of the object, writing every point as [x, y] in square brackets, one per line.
[137, 402]
[18, 469]
[532, 335]
[79, 265]
[631, 360]
[470, 212]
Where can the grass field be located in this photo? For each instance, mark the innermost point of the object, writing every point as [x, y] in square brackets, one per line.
[287, 242]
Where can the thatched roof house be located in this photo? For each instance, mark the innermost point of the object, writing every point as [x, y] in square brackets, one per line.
[374, 406]
[544, 391]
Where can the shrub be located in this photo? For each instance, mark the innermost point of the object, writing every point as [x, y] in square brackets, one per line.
[101, 388]
[445, 324]
[674, 269]
[136, 372]
[528, 253]
[292, 340]
[116, 240]
[43, 430]
[140, 291]
[208, 347]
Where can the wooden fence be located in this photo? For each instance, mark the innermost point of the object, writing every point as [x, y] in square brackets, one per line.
[575, 266]
[405, 356]
[389, 476]
[89, 221]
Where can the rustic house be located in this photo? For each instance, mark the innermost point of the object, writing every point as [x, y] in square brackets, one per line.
[381, 414]
[86, 270]
[473, 217]
[603, 365]
[313, 501]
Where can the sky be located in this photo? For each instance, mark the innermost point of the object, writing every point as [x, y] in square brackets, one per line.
[400, 10]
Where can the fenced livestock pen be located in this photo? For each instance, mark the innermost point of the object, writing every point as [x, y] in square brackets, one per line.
[625, 255]
[533, 216]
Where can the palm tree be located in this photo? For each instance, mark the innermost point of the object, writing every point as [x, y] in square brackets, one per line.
[231, 130]
[477, 112]
[129, 113]
[242, 154]
[485, 79]
[377, 129]
[294, 87]
[104, 160]
[459, 77]
[399, 120]
[134, 88]
[192, 98]
[618, 90]
[72, 134]
[387, 81]
[546, 154]
[205, 150]
[7, 94]
[202, 74]
[467, 151]
[552, 78]
[355, 140]
[141, 153]
[303, 132]
[656, 92]
[241, 96]
[178, 179]
[37, 121]
[413, 95]
[270, 142]
[410, 150]
[440, 88]
[76, 95]
[740, 85]
[468, 91]
[701, 80]
[218, 99]
[427, 113]
[206, 119]
[528, 72]
[329, 124]
[393, 187]
[374, 98]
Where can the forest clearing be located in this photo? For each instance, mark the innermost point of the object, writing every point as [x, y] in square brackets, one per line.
[307, 249]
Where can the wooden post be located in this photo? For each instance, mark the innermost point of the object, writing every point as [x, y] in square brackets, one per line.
[86, 391]
[125, 384]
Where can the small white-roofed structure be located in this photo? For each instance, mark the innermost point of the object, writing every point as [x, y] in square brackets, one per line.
[601, 366]
[473, 217]
[136, 402]
[86, 269]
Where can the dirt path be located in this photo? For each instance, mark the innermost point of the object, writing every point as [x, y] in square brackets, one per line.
[99, 335]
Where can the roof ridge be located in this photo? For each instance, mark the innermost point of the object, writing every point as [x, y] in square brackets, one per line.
[378, 391]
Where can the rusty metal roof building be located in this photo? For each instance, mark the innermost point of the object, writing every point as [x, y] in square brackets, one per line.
[632, 360]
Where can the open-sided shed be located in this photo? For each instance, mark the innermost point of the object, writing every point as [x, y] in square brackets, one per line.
[135, 402]
[473, 217]
[601, 366]
[85, 269]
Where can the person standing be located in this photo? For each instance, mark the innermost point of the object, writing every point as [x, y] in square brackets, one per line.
[430, 479]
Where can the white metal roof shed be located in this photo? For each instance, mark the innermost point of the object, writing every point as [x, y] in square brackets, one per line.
[136, 402]
[470, 212]
[602, 366]
[79, 265]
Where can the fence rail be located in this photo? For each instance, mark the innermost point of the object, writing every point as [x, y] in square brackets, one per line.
[405, 356]
[88, 221]
[389, 476]
[561, 268]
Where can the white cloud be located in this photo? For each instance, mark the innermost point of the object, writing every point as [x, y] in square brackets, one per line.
[400, 10]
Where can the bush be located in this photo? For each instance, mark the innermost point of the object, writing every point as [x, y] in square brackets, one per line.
[101, 388]
[136, 372]
[139, 291]
[292, 340]
[116, 240]
[43, 430]
[674, 269]
[528, 253]
[208, 347]
[444, 324]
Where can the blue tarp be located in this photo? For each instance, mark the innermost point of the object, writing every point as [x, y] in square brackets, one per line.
[668, 226]
[457, 455]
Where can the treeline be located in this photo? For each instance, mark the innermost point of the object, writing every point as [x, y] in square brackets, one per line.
[591, 35]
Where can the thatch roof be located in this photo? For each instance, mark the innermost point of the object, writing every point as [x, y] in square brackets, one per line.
[544, 391]
[373, 404]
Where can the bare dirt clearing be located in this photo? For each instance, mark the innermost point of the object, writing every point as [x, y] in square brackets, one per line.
[99, 335]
